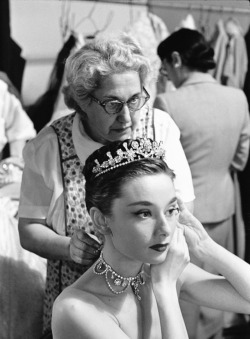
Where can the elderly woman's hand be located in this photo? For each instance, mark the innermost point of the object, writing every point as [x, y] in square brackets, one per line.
[194, 232]
[84, 249]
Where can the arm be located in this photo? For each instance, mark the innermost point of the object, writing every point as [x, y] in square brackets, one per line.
[242, 151]
[231, 291]
[16, 148]
[164, 279]
[172, 323]
[41, 209]
[37, 237]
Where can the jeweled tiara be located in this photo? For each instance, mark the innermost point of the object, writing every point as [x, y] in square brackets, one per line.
[138, 149]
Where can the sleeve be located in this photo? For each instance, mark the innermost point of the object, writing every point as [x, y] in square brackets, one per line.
[242, 152]
[167, 131]
[41, 185]
[18, 125]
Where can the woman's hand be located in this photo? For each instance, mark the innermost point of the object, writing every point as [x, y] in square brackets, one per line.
[194, 232]
[83, 248]
[11, 170]
[176, 260]
[15, 161]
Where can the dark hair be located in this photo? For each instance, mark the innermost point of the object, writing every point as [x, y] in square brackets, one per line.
[194, 50]
[101, 190]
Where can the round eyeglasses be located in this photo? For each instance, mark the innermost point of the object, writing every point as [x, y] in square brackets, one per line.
[115, 106]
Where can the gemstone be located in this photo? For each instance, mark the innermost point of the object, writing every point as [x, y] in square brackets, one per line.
[117, 282]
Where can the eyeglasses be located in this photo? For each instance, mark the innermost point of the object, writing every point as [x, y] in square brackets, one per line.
[163, 71]
[115, 106]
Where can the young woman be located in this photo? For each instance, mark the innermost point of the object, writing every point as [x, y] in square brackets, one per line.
[132, 290]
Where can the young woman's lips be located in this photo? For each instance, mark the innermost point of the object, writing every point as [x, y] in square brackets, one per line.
[122, 130]
[159, 247]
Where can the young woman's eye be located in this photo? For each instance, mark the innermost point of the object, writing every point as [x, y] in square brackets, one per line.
[143, 214]
[172, 211]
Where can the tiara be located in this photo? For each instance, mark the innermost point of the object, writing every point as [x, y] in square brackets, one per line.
[138, 149]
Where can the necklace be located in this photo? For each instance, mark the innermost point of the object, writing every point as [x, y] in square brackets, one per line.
[113, 278]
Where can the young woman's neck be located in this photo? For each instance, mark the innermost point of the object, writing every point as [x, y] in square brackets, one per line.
[120, 263]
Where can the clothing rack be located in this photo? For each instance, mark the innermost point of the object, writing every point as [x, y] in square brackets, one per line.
[219, 9]
[191, 6]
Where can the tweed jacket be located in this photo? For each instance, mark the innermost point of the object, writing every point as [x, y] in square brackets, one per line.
[214, 123]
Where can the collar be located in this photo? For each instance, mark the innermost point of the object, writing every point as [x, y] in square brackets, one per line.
[84, 145]
[198, 78]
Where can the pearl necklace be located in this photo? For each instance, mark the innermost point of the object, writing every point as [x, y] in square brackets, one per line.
[101, 267]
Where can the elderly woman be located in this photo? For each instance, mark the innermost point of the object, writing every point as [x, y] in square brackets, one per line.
[107, 88]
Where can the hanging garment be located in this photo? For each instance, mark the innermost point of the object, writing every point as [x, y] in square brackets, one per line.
[22, 278]
[11, 61]
[230, 54]
[188, 22]
[150, 30]
[247, 79]
[41, 111]
[244, 177]
[11, 88]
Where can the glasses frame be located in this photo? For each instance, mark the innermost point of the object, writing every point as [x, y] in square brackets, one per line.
[103, 103]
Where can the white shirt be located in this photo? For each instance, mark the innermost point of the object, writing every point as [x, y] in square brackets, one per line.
[14, 122]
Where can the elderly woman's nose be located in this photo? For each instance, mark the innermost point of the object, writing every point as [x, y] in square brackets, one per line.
[124, 115]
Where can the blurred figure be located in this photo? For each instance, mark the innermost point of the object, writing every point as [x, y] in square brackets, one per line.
[22, 273]
[15, 125]
[16, 129]
[214, 124]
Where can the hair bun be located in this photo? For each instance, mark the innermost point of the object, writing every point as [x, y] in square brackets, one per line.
[195, 51]
[202, 58]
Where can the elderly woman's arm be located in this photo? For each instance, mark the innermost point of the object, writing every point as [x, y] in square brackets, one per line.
[37, 237]
[41, 208]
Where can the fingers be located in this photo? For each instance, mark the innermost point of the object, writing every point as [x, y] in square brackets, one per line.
[181, 227]
[83, 241]
[182, 242]
[178, 238]
[84, 261]
[181, 204]
[83, 249]
[16, 161]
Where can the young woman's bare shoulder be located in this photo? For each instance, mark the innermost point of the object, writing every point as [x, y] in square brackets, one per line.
[78, 313]
[74, 300]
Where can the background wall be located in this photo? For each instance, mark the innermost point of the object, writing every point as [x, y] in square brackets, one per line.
[172, 12]
[37, 26]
